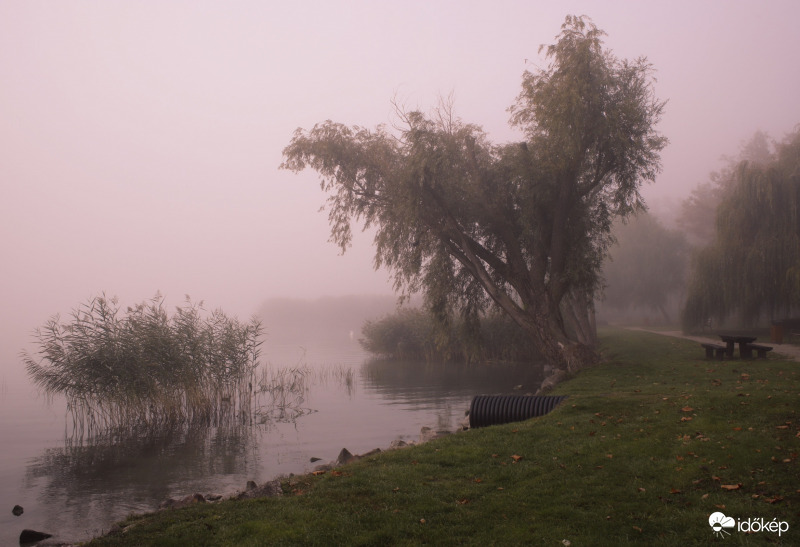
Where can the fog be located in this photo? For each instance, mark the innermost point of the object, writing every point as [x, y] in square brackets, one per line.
[141, 141]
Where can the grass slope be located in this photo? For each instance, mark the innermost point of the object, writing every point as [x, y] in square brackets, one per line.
[647, 446]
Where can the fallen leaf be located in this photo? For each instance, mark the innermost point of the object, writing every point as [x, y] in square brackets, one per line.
[704, 496]
[462, 501]
[318, 472]
[687, 409]
[422, 521]
[730, 486]
[637, 528]
[782, 427]
[516, 458]
[686, 419]
[478, 480]
[640, 489]
[674, 491]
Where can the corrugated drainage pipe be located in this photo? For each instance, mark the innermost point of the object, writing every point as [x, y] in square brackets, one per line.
[501, 409]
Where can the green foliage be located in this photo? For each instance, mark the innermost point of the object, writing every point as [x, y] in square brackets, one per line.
[647, 266]
[637, 455]
[414, 334]
[145, 366]
[698, 211]
[750, 269]
[407, 334]
[522, 226]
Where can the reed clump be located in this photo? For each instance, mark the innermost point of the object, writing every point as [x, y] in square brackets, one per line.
[144, 366]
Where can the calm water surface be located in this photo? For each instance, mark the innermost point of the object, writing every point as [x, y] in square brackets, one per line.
[77, 488]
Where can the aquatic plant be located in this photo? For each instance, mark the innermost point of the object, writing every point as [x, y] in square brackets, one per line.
[145, 366]
[286, 390]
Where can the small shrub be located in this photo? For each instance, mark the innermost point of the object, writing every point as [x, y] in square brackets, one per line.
[413, 334]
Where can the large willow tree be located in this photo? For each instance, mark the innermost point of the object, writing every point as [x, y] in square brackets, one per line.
[521, 226]
[752, 268]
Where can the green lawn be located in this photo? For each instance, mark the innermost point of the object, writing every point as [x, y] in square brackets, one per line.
[645, 448]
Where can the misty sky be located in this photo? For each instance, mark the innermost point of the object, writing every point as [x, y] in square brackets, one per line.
[140, 141]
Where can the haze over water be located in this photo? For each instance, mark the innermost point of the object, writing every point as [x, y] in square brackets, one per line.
[140, 142]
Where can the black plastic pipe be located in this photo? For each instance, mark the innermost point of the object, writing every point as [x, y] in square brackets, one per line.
[501, 409]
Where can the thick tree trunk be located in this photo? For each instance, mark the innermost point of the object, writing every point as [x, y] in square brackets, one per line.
[564, 354]
[578, 308]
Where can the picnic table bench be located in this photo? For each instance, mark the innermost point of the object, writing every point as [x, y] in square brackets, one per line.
[715, 350]
[748, 351]
[732, 339]
[746, 347]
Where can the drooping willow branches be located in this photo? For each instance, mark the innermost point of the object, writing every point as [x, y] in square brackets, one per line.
[145, 366]
[751, 270]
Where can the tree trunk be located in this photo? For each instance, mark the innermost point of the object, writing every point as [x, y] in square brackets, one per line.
[578, 308]
[567, 356]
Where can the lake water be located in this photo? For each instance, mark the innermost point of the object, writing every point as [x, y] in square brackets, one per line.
[76, 488]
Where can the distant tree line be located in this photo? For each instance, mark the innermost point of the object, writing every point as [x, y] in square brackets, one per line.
[734, 257]
[646, 269]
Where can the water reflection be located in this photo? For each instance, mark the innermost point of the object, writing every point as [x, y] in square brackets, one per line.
[91, 481]
[425, 382]
[103, 480]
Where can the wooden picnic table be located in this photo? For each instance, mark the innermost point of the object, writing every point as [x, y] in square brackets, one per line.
[743, 341]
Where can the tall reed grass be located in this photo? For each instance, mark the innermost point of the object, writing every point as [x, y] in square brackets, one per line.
[144, 366]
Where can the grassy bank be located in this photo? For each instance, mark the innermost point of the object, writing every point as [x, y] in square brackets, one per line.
[647, 446]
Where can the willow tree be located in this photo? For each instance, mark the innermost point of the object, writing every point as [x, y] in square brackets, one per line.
[521, 226]
[751, 268]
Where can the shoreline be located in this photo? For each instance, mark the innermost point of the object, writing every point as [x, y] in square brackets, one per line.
[269, 488]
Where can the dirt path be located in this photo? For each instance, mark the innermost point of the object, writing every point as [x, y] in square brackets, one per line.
[787, 350]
